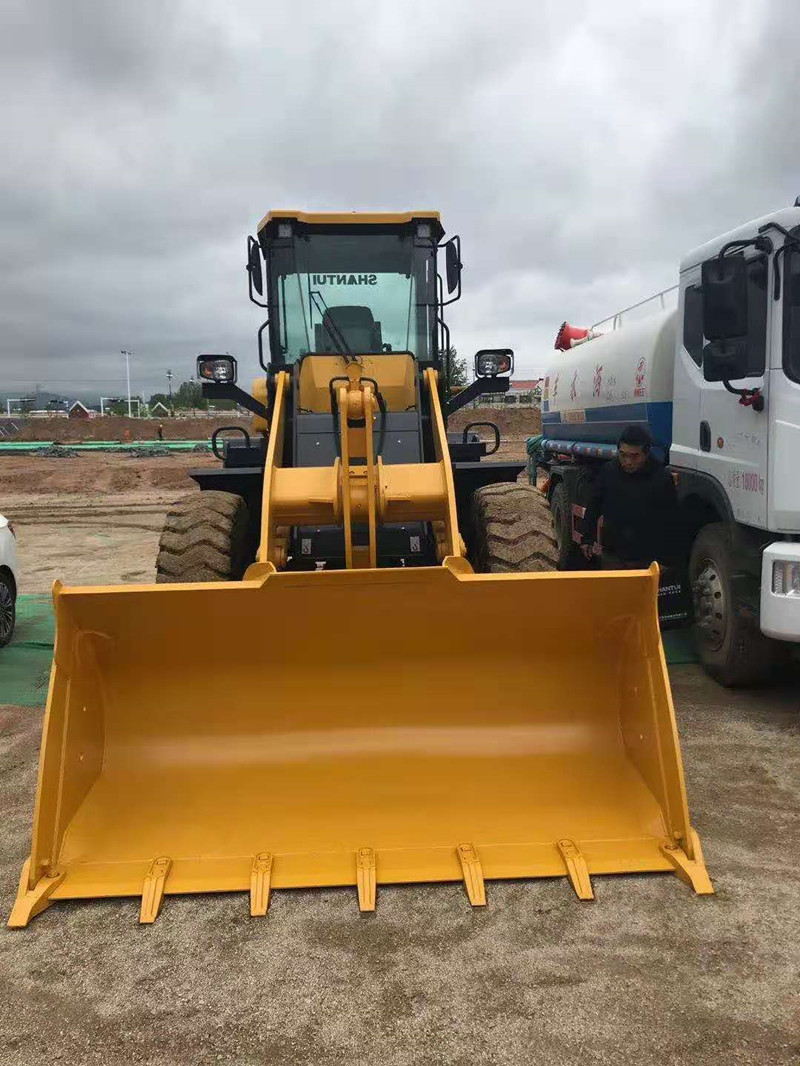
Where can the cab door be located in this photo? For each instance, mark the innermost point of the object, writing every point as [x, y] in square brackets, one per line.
[732, 437]
[688, 373]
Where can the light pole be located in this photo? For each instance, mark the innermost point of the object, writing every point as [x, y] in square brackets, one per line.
[169, 383]
[128, 375]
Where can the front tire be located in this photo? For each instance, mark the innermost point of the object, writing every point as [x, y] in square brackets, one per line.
[512, 530]
[206, 538]
[732, 648]
[8, 609]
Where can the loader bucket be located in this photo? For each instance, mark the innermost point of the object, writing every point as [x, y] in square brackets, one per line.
[360, 728]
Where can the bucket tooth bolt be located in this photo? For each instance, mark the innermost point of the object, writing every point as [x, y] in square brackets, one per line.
[577, 870]
[153, 891]
[366, 879]
[473, 874]
[260, 877]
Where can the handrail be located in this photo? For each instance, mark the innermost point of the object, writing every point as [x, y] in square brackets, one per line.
[616, 319]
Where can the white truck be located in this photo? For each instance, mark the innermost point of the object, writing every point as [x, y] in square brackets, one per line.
[717, 384]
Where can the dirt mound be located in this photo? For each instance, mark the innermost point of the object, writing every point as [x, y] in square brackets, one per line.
[512, 422]
[100, 475]
[122, 429]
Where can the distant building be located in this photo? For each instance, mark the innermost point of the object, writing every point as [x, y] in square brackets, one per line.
[528, 385]
[525, 391]
[78, 410]
[158, 409]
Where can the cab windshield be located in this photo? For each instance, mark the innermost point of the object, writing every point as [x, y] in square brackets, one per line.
[351, 294]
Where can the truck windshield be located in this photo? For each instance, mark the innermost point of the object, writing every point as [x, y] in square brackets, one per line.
[351, 294]
[791, 315]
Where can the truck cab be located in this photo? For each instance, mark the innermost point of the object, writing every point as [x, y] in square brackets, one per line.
[736, 442]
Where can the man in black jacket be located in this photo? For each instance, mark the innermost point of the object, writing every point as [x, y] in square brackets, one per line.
[636, 498]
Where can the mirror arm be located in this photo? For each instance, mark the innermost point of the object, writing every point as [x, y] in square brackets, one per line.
[479, 387]
[763, 244]
[212, 390]
[747, 397]
[789, 241]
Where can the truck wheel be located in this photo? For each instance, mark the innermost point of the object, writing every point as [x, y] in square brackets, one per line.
[569, 556]
[205, 538]
[732, 648]
[512, 530]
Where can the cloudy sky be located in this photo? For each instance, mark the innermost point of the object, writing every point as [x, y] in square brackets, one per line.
[579, 148]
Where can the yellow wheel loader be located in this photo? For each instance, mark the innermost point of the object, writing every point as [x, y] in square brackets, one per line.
[358, 665]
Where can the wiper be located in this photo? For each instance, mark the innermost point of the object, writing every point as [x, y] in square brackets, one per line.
[337, 335]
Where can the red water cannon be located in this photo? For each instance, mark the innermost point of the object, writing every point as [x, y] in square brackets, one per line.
[568, 336]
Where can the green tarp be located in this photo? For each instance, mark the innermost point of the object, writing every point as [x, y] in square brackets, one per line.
[25, 662]
[21, 447]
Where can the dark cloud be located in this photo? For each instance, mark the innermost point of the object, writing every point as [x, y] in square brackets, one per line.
[579, 148]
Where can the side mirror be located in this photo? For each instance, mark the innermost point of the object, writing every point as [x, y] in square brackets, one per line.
[452, 262]
[725, 360]
[254, 265]
[724, 283]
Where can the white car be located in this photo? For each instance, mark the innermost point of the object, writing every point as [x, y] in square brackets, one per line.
[8, 580]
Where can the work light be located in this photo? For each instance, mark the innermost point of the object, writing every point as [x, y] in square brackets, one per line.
[489, 362]
[220, 369]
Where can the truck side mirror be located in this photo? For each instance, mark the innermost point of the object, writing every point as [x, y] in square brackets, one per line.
[724, 282]
[725, 360]
[452, 262]
[254, 265]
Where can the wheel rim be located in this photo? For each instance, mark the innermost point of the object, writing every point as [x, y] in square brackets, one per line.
[710, 604]
[6, 611]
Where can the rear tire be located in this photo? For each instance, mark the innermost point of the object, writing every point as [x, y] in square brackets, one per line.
[205, 538]
[512, 530]
[732, 648]
[569, 554]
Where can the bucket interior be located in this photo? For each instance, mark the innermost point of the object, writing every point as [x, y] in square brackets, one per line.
[315, 714]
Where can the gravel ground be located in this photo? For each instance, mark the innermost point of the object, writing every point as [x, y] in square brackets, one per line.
[649, 973]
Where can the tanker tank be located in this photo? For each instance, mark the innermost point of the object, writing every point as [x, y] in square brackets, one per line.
[624, 377]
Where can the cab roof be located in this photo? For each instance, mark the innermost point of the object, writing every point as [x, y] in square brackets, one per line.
[351, 218]
[788, 217]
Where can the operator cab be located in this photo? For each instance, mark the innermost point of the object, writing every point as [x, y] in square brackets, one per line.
[347, 285]
[357, 298]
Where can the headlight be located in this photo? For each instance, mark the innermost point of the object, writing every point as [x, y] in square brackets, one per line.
[220, 369]
[786, 578]
[489, 362]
